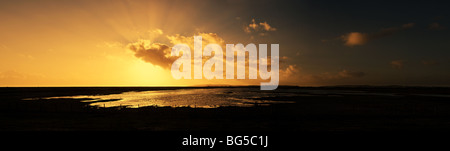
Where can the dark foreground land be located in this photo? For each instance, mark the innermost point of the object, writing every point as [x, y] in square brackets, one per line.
[379, 109]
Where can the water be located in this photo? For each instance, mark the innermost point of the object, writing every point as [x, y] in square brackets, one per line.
[220, 97]
[195, 98]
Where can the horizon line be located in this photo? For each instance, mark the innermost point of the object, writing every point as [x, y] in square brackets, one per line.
[206, 86]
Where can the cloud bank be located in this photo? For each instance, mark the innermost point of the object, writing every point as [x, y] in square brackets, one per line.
[158, 54]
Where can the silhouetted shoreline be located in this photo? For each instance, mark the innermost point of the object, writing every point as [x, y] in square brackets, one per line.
[316, 109]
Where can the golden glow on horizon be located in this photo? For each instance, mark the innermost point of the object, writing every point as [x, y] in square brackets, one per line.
[62, 45]
[59, 44]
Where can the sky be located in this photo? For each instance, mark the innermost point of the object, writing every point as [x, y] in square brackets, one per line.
[125, 43]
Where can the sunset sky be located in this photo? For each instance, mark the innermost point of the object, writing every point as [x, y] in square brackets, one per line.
[98, 43]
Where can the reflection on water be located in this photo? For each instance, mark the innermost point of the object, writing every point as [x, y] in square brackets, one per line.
[195, 98]
[218, 97]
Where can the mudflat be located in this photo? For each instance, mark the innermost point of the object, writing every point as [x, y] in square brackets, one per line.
[305, 109]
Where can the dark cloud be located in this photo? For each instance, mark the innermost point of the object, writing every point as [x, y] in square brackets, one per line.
[436, 26]
[390, 31]
[429, 62]
[351, 74]
[343, 74]
[397, 64]
[358, 38]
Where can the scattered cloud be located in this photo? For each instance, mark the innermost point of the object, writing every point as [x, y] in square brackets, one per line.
[429, 62]
[358, 38]
[332, 77]
[408, 25]
[436, 26]
[292, 73]
[289, 72]
[355, 38]
[384, 32]
[156, 31]
[267, 27]
[397, 64]
[253, 25]
[350, 74]
[261, 28]
[284, 58]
